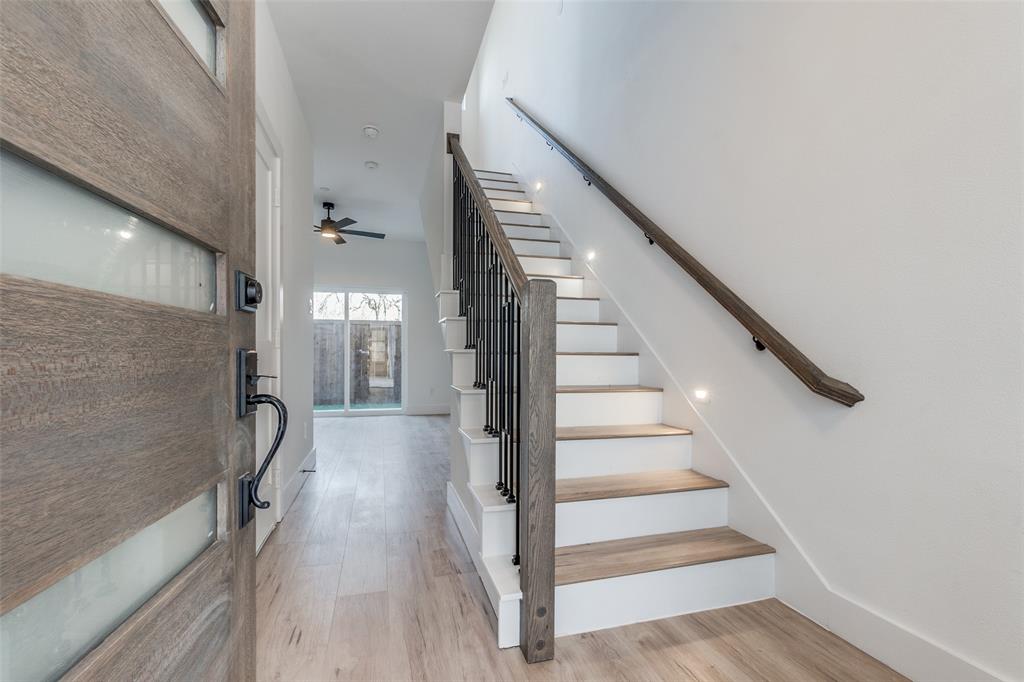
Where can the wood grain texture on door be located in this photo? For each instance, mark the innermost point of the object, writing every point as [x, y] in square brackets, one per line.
[116, 411]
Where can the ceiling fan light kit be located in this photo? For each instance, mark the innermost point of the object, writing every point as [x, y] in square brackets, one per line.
[334, 229]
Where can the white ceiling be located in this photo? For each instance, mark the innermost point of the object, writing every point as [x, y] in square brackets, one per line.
[390, 63]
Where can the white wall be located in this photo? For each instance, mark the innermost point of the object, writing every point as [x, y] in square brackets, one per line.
[853, 171]
[394, 265]
[276, 96]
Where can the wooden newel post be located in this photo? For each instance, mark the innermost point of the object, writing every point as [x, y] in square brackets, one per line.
[537, 474]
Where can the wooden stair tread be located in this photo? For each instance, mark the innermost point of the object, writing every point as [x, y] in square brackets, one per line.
[610, 388]
[518, 201]
[633, 484]
[478, 170]
[531, 239]
[501, 210]
[588, 324]
[620, 431]
[539, 227]
[576, 298]
[502, 189]
[598, 560]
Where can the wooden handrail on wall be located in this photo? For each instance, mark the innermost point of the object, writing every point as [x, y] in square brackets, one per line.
[516, 333]
[765, 336]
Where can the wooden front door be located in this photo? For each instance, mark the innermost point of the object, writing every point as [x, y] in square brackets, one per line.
[127, 132]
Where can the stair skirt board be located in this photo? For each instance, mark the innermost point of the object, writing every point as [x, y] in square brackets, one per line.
[578, 523]
[608, 408]
[611, 602]
[497, 574]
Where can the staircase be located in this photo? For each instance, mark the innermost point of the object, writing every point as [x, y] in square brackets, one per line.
[639, 535]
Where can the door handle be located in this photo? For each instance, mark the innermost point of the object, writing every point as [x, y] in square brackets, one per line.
[248, 401]
[282, 426]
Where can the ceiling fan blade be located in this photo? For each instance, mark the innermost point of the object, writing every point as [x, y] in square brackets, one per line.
[338, 239]
[344, 222]
[361, 233]
[316, 228]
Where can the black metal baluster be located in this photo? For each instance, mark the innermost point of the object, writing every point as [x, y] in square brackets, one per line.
[517, 336]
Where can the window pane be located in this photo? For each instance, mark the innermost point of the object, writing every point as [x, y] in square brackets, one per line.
[194, 23]
[375, 307]
[376, 365]
[328, 305]
[54, 230]
[43, 637]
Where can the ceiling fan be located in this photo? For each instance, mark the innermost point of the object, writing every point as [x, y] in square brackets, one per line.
[333, 229]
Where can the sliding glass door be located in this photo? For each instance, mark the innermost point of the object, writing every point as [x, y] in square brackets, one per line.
[357, 351]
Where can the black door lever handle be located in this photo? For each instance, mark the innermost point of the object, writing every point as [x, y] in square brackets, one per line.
[282, 426]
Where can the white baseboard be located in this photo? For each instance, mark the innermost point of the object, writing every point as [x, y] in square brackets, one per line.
[900, 648]
[294, 485]
[425, 410]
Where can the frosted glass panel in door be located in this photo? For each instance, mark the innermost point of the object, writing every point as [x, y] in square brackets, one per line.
[43, 637]
[194, 22]
[54, 230]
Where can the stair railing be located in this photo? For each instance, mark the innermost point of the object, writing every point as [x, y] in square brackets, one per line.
[764, 335]
[510, 323]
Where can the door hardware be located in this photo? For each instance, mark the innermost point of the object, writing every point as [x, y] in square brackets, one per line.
[248, 292]
[248, 401]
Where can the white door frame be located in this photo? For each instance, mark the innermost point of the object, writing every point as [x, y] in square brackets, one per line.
[269, 319]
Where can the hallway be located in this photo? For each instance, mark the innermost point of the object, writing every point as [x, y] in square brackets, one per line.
[368, 579]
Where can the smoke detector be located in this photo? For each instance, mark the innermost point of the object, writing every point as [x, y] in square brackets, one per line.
[371, 165]
[371, 131]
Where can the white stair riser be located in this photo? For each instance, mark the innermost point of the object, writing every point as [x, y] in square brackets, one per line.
[454, 331]
[463, 368]
[498, 531]
[520, 218]
[586, 338]
[527, 232]
[564, 286]
[504, 193]
[487, 175]
[524, 247]
[546, 266]
[581, 310]
[597, 370]
[482, 460]
[577, 523]
[600, 604]
[447, 305]
[499, 184]
[608, 456]
[519, 206]
[472, 410]
[608, 409]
